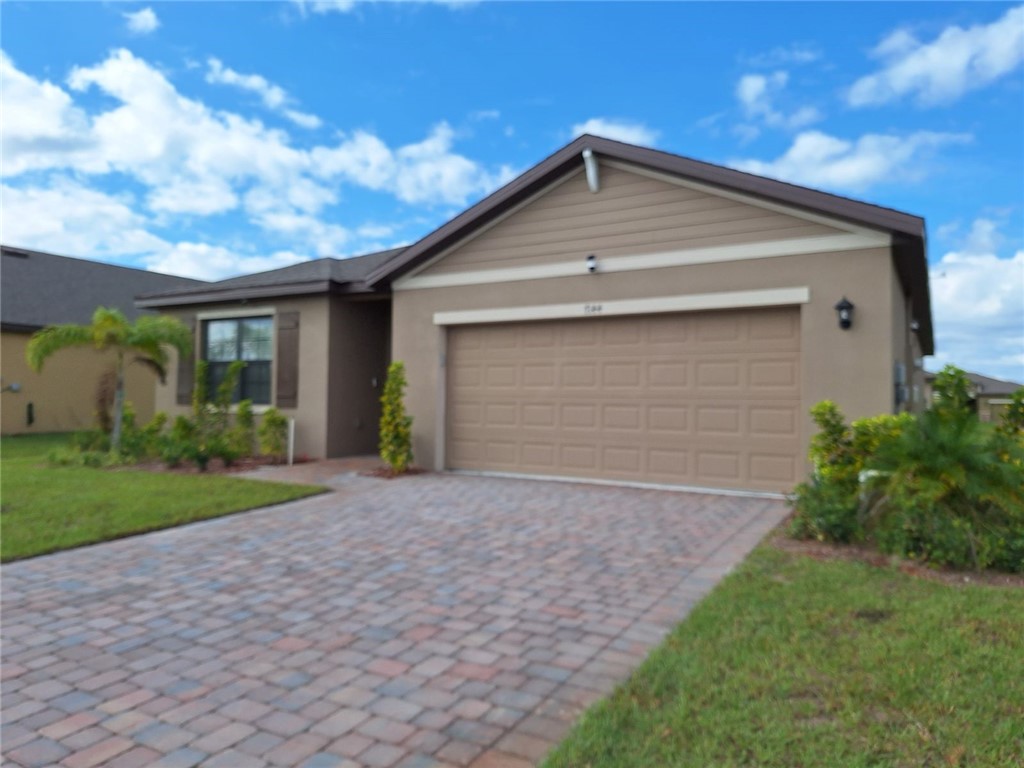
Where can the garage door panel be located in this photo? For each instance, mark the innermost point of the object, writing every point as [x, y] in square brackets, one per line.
[709, 399]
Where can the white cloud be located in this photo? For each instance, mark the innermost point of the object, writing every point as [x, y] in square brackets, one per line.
[797, 53]
[211, 262]
[39, 119]
[978, 306]
[485, 114]
[142, 22]
[93, 224]
[345, 6]
[957, 61]
[424, 172]
[67, 217]
[757, 93]
[817, 159]
[628, 131]
[274, 97]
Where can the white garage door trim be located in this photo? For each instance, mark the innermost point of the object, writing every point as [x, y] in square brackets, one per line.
[771, 297]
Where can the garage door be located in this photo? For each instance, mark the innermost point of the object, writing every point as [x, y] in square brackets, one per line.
[709, 399]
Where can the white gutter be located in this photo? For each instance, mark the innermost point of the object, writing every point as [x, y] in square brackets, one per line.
[590, 161]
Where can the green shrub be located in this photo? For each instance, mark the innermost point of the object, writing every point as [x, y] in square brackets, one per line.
[243, 433]
[273, 434]
[139, 443]
[172, 450]
[951, 392]
[942, 487]
[395, 425]
[952, 492]
[90, 440]
[1011, 423]
[71, 457]
[826, 511]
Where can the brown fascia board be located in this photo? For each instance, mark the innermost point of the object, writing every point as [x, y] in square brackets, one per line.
[908, 230]
[314, 287]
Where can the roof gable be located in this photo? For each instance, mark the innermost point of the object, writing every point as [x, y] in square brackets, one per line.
[907, 231]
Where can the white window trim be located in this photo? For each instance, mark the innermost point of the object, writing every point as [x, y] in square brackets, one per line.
[771, 297]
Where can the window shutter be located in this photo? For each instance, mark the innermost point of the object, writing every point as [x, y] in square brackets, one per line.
[187, 365]
[287, 360]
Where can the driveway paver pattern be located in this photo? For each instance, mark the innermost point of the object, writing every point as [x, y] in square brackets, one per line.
[431, 620]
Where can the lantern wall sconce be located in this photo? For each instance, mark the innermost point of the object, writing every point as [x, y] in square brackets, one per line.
[844, 310]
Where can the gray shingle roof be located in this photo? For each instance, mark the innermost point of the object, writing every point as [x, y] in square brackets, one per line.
[987, 385]
[38, 289]
[313, 276]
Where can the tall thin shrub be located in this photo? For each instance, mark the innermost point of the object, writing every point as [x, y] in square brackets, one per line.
[395, 424]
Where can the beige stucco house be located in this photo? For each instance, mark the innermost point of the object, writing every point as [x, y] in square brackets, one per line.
[42, 289]
[615, 313]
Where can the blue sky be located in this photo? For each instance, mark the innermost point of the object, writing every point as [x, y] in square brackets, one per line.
[212, 139]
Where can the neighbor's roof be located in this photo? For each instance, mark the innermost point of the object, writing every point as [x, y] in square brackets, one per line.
[908, 231]
[326, 275]
[39, 289]
[986, 385]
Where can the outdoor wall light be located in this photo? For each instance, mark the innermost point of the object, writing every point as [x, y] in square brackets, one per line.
[14, 387]
[844, 309]
[591, 263]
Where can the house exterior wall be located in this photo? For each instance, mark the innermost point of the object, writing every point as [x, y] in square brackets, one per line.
[311, 419]
[63, 394]
[360, 342]
[853, 367]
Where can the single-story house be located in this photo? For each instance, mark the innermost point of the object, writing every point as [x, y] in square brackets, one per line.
[990, 396]
[40, 289]
[614, 313]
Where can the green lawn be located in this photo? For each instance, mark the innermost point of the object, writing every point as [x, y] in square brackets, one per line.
[797, 662]
[45, 509]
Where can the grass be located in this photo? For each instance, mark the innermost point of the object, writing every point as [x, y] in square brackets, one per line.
[46, 509]
[793, 661]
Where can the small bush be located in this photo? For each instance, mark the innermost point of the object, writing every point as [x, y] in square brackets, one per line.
[1011, 423]
[273, 434]
[90, 440]
[71, 457]
[243, 434]
[826, 511]
[395, 425]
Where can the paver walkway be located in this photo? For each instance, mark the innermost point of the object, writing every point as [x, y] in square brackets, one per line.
[432, 620]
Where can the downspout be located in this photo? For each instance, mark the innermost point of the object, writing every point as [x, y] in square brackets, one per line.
[590, 161]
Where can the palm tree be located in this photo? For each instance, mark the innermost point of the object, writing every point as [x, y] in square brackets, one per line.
[147, 338]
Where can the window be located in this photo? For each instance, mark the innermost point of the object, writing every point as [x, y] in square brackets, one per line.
[249, 339]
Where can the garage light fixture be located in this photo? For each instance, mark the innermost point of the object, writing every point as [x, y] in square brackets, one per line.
[844, 309]
[591, 263]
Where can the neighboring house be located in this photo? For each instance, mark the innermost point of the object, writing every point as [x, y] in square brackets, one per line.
[40, 289]
[614, 313]
[990, 396]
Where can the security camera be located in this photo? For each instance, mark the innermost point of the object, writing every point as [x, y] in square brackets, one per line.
[591, 263]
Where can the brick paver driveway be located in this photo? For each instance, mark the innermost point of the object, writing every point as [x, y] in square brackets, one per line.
[433, 620]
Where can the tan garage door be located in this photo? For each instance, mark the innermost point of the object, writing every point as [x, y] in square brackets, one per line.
[709, 399]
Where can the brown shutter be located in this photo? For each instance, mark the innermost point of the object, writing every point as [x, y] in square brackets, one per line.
[288, 360]
[187, 365]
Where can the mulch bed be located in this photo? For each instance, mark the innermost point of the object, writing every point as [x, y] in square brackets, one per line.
[215, 467]
[387, 473]
[851, 552]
